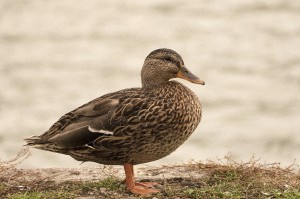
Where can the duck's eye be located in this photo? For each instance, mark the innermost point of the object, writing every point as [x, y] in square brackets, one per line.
[168, 59]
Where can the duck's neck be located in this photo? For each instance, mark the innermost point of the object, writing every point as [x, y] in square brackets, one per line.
[151, 82]
[152, 77]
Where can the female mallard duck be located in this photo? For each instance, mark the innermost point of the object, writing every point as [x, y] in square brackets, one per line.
[131, 126]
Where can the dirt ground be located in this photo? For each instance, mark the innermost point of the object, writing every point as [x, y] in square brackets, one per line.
[192, 180]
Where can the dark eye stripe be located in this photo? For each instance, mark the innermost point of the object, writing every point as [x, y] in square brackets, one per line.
[168, 59]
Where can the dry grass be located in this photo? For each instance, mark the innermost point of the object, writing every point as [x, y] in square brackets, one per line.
[8, 171]
[221, 179]
[248, 180]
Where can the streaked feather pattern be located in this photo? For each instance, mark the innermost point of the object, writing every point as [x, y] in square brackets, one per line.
[134, 125]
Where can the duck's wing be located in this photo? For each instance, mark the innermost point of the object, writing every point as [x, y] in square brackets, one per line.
[87, 123]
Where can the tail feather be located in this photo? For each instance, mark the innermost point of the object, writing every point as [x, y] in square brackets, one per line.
[38, 143]
[33, 140]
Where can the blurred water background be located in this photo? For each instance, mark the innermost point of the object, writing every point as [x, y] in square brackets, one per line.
[57, 55]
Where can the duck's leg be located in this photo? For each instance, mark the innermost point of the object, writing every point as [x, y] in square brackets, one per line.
[136, 188]
[144, 184]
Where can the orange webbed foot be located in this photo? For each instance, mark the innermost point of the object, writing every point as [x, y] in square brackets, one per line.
[139, 190]
[146, 184]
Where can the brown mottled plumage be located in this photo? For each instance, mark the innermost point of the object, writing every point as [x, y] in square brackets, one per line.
[131, 126]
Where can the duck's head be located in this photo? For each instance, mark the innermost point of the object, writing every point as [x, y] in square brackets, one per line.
[163, 64]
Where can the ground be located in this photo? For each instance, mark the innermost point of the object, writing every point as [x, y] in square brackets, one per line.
[227, 179]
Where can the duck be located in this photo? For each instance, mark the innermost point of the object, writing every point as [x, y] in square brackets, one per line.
[134, 125]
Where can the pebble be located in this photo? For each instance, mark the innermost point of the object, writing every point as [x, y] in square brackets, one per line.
[102, 190]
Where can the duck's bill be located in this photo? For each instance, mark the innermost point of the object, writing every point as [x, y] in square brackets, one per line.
[184, 73]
